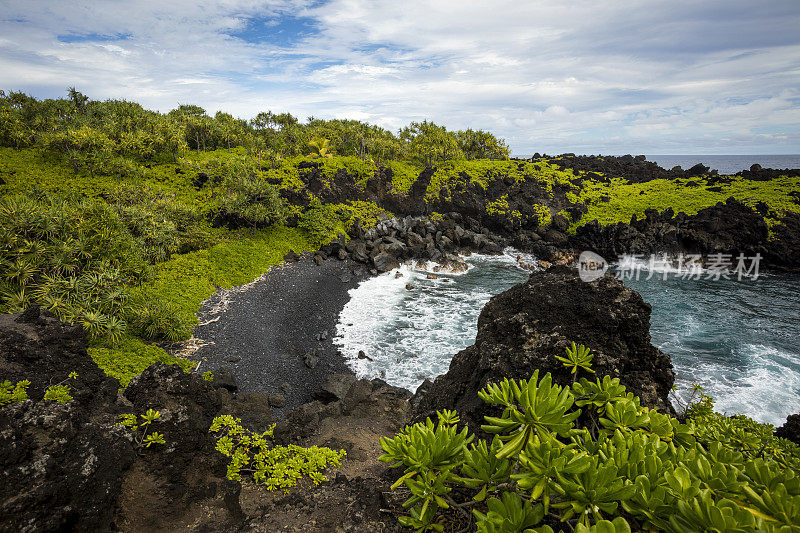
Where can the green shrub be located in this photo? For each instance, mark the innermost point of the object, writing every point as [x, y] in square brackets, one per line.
[248, 199]
[58, 393]
[403, 175]
[277, 467]
[321, 221]
[623, 467]
[73, 259]
[140, 427]
[13, 393]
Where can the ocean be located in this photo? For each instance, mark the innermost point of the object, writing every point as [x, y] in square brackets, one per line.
[727, 164]
[737, 339]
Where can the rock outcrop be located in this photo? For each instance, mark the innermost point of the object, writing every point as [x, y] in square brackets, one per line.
[729, 228]
[791, 429]
[72, 467]
[524, 328]
[394, 241]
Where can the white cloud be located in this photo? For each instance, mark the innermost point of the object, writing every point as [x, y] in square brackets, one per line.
[548, 76]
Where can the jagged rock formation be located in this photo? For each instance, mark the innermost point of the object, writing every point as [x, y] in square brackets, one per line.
[791, 429]
[635, 169]
[72, 467]
[524, 328]
[730, 227]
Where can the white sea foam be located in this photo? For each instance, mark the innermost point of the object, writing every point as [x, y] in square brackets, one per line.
[719, 335]
[766, 387]
[411, 335]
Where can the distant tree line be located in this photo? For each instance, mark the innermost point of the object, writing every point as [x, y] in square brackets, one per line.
[95, 134]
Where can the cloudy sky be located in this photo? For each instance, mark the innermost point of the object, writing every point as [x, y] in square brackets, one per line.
[640, 76]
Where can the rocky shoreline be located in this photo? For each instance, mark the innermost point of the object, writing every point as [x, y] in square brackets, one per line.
[72, 467]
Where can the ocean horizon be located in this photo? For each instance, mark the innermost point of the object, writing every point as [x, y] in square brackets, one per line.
[727, 164]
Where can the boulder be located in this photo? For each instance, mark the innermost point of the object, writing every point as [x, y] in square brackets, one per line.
[385, 262]
[335, 387]
[224, 378]
[526, 327]
[790, 430]
[276, 400]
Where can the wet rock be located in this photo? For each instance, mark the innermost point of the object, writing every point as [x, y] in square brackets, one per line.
[385, 262]
[362, 355]
[526, 327]
[318, 259]
[409, 287]
[291, 256]
[233, 359]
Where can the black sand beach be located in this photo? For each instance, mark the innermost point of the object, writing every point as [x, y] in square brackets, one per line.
[271, 331]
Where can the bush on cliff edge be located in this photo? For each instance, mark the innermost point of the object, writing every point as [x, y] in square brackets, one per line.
[590, 458]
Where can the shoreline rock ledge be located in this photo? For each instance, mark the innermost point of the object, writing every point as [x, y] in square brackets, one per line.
[525, 327]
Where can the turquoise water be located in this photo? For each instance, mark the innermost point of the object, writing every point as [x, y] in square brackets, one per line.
[738, 339]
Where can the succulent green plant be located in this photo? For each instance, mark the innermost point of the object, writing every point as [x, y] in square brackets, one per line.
[578, 357]
[593, 459]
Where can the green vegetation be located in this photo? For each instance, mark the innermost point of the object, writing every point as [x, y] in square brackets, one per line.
[618, 200]
[58, 393]
[140, 428]
[13, 392]
[277, 467]
[180, 285]
[131, 357]
[578, 357]
[623, 467]
[482, 173]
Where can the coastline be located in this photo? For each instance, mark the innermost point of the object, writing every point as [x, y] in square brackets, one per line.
[265, 331]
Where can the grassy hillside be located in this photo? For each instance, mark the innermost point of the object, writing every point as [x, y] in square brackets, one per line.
[124, 220]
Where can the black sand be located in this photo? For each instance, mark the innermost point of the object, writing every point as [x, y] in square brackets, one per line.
[272, 324]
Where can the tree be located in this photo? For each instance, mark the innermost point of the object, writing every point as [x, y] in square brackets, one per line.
[428, 144]
[478, 144]
[78, 99]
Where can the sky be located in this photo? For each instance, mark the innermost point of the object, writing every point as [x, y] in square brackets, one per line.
[610, 77]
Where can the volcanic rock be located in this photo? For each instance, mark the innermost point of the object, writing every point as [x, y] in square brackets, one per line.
[526, 327]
